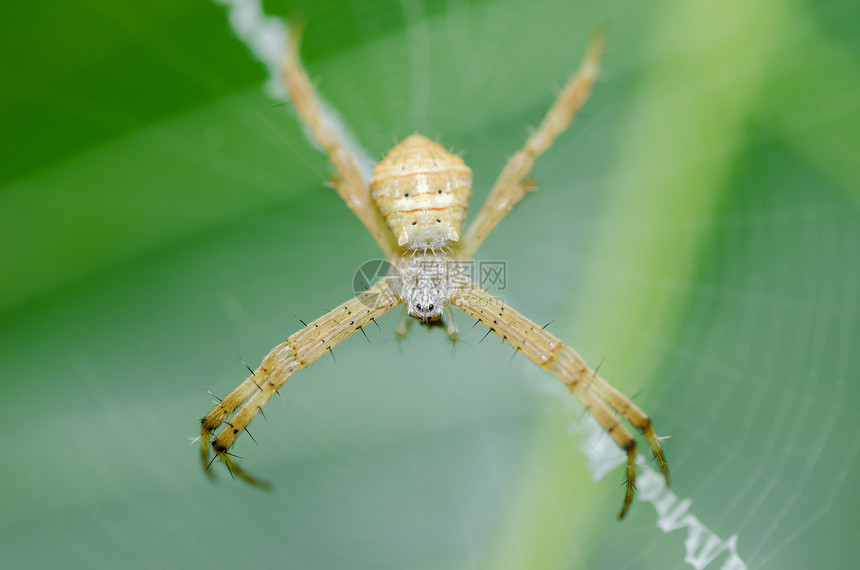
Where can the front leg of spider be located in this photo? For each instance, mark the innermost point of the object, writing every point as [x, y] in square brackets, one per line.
[601, 400]
[233, 413]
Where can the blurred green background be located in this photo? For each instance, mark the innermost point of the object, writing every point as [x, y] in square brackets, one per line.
[697, 232]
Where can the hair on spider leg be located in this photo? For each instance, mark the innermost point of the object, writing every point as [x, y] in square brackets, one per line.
[235, 431]
[331, 183]
[208, 465]
[281, 396]
[260, 388]
[365, 335]
[211, 393]
[625, 483]
[301, 321]
[254, 374]
[251, 370]
[597, 368]
[486, 335]
[227, 464]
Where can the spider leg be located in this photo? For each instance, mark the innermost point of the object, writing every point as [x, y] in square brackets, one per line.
[547, 351]
[233, 414]
[512, 184]
[451, 328]
[403, 326]
[349, 183]
[631, 412]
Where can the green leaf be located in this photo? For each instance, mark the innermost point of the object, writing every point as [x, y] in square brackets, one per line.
[696, 233]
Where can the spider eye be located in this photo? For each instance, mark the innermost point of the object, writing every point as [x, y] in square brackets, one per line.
[430, 308]
[418, 306]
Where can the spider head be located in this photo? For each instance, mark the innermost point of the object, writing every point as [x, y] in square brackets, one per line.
[426, 304]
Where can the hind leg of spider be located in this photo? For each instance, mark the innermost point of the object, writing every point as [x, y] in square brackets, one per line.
[512, 184]
[348, 182]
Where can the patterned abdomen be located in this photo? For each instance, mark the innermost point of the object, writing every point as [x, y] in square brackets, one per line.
[422, 191]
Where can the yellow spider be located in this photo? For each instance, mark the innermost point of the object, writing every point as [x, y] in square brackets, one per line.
[415, 209]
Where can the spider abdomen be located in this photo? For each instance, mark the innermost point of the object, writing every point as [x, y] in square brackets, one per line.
[422, 191]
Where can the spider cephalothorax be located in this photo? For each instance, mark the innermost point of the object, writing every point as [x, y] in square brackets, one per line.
[415, 208]
[427, 281]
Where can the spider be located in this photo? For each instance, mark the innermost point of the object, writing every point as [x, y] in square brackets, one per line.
[415, 208]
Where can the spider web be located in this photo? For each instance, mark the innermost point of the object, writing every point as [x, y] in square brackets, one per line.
[696, 234]
[702, 545]
[260, 32]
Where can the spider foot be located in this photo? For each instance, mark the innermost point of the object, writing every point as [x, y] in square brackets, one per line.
[207, 426]
[205, 436]
[228, 460]
[220, 445]
[654, 443]
[631, 480]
